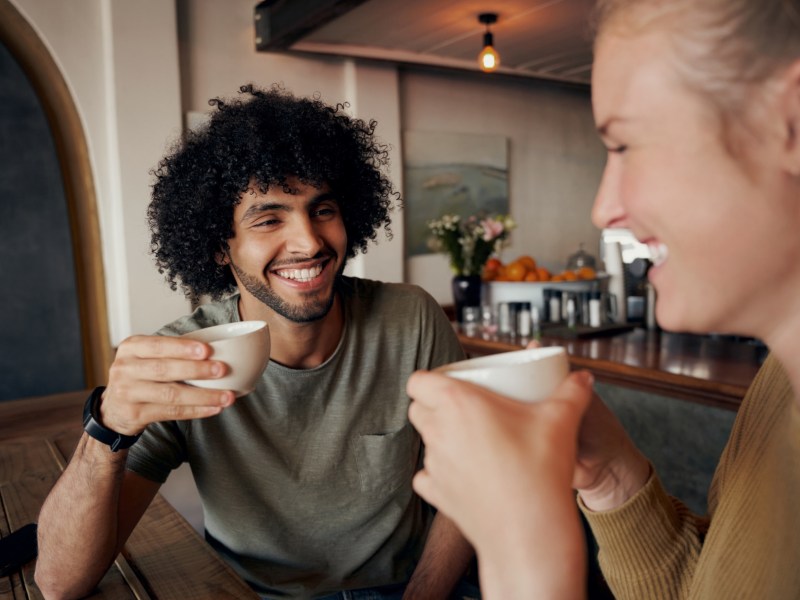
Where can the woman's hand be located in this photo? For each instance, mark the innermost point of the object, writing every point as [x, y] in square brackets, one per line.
[503, 471]
[609, 467]
[145, 383]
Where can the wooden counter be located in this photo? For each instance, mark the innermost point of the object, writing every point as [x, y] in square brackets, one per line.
[164, 558]
[710, 370]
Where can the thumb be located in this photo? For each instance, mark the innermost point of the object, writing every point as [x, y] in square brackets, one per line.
[576, 390]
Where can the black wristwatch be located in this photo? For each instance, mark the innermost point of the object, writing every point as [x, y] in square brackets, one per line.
[93, 426]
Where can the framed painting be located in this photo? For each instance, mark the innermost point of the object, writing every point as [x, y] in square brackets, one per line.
[454, 173]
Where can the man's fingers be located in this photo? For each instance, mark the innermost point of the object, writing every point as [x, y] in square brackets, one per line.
[160, 346]
[166, 394]
[152, 413]
[131, 409]
[165, 369]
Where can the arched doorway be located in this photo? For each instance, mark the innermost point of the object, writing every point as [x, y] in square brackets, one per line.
[68, 140]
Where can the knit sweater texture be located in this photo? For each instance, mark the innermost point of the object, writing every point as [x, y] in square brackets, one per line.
[748, 546]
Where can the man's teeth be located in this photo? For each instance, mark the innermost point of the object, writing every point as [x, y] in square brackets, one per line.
[301, 274]
[658, 253]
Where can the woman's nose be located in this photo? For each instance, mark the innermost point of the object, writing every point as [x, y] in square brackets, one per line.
[608, 210]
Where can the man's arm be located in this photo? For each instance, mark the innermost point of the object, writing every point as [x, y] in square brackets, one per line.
[444, 560]
[95, 504]
[87, 518]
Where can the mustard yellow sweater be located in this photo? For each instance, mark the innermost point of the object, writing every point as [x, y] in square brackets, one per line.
[748, 546]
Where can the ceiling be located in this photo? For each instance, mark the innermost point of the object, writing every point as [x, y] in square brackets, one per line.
[548, 39]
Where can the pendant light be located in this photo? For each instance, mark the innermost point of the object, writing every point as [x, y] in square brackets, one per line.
[488, 59]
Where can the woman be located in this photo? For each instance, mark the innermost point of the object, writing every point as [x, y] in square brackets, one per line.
[698, 103]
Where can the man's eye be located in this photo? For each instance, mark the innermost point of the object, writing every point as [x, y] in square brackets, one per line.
[321, 212]
[267, 223]
[617, 149]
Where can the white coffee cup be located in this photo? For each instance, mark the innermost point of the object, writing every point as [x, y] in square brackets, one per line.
[243, 346]
[526, 375]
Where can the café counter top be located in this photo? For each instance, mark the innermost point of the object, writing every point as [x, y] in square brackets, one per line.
[713, 370]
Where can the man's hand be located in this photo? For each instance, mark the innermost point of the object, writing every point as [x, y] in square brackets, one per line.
[145, 383]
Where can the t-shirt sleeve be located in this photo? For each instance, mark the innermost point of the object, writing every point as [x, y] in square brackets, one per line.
[161, 449]
[440, 344]
[650, 545]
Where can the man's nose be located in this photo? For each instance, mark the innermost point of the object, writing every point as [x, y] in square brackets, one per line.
[303, 238]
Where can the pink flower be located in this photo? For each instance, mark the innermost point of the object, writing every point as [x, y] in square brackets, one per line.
[491, 229]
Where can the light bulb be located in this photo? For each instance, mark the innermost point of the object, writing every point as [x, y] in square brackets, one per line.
[488, 59]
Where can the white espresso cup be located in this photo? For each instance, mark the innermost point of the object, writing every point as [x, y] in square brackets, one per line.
[243, 346]
[525, 375]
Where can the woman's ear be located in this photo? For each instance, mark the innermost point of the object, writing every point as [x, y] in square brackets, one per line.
[790, 107]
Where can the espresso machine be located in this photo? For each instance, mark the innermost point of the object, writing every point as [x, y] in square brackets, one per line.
[627, 261]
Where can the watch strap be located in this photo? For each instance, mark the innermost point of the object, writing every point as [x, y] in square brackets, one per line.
[95, 428]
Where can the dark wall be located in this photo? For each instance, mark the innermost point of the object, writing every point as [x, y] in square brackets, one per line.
[40, 343]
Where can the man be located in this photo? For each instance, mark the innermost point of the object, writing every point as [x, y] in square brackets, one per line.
[306, 482]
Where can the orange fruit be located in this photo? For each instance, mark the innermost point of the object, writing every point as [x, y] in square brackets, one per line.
[516, 271]
[489, 274]
[543, 273]
[586, 273]
[531, 276]
[493, 263]
[569, 276]
[527, 262]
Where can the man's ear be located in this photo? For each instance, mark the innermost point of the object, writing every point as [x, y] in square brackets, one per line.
[222, 258]
[790, 107]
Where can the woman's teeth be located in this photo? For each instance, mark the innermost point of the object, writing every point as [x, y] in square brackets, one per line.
[301, 274]
[658, 253]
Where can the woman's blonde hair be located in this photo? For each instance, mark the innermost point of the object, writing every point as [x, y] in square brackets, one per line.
[725, 48]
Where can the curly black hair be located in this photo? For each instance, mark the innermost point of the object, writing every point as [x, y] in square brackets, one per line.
[255, 143]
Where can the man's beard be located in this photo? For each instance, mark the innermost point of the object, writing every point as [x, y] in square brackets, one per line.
[313, 309]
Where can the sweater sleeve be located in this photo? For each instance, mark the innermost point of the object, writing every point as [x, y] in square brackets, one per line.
[649, 546]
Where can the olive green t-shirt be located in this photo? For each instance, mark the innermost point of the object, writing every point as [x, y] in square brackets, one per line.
[306, 482]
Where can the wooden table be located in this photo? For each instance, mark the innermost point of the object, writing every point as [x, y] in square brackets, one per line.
[163, 559]
[710, 370]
